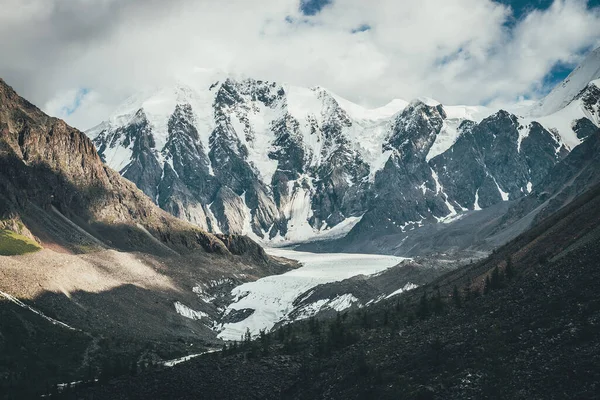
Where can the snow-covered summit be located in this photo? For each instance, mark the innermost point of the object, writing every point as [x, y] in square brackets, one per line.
[283, 163]
[568, 90]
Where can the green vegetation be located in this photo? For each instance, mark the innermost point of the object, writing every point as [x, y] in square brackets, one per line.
[13, 244]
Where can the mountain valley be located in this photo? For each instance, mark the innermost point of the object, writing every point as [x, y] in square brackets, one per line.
[239, 238]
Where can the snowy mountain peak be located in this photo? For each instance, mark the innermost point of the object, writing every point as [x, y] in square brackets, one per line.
[565, 92]
[283, 163]
[427, 101]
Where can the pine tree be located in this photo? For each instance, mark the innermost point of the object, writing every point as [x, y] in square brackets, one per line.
[313, 326]
[366, 321]
[423, 311]
[247, 337]
[362, 364]
[281, 334]
[264, 341]
[456, 297]
[509, 271]
[133, 368]
[468, 294]
[438, 303]
[496, 279]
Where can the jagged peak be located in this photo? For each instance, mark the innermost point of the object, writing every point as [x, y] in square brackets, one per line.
[427, 101]
[428, 107]
[565, 92]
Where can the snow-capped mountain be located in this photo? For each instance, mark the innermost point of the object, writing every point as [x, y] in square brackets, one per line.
[286, 164]
[562, 95]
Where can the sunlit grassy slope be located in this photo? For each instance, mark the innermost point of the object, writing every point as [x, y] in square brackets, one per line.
[12, 244]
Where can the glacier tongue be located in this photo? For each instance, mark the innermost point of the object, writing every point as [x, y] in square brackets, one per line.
[272, 298]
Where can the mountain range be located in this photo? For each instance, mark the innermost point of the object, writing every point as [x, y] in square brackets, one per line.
[285, 164]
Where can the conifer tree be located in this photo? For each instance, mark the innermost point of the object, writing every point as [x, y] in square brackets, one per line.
[509, 271]
[456, 297]
[423, 311]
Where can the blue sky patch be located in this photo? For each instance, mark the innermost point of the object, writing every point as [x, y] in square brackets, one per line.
[557, 74]
[69, 109]
[523, 7]
[361, 28]
[313, 7]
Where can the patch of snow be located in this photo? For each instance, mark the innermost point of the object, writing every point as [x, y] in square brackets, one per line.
[476, 206]
[378, 164]
[259, 141]
[427, 101]
[35, 311]
[339, 303]
[439, 189]
[503, 194]
[376, 300]
[407, 287]
[438, 186]
[298, 211]
[187, 312]
[357, 112]
[523, 133]
[445, 138]
[311, 309]
[343, 302]
[174, 362]
[214, 223]
[118, 157]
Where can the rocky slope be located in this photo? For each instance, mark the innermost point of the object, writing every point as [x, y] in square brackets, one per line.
[113, 264]
[286, 164]
[520, 324]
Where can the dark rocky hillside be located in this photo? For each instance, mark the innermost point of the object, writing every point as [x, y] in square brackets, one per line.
[106, 262]
[521, 324]
[46, 163]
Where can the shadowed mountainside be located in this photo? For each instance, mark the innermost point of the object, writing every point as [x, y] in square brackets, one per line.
[521, 324]
[113, 266]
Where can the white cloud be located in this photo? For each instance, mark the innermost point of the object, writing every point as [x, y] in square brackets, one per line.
[457, 51]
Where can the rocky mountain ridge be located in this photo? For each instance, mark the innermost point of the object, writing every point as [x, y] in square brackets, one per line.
[284, 164]
[108, 261]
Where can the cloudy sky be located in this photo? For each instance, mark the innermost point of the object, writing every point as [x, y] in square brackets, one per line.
[79, 59]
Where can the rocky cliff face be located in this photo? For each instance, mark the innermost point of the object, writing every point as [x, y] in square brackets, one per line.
[282, 163]
[47, 166]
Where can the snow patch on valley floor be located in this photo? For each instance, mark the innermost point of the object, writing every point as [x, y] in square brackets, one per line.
[38, 312]
[339, 303]
[174, 362]
[405, 288]
[272, 297]
[187, 312]
[342, 302]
